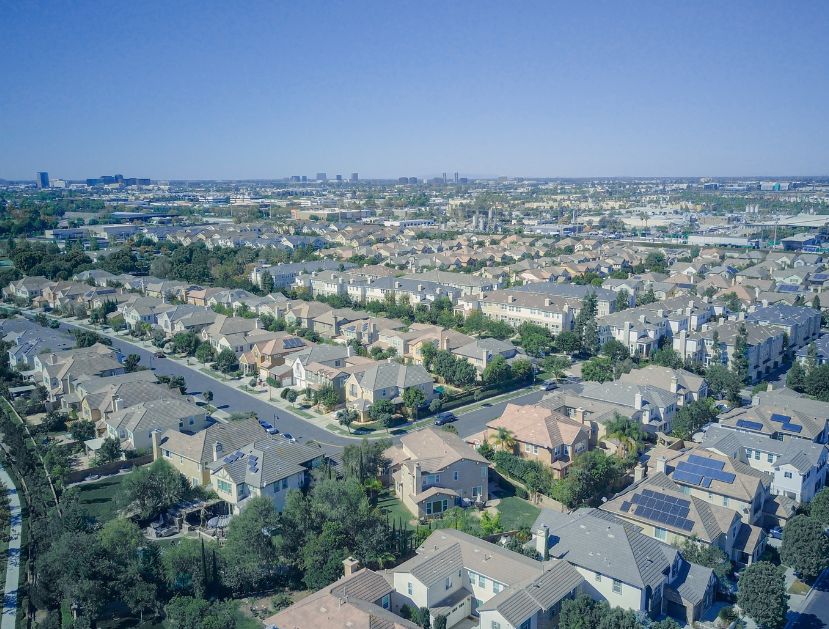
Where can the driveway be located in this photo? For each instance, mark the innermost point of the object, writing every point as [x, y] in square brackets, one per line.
[13, 555]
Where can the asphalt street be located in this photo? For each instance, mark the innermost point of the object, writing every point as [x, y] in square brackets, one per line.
[815, 613]
[232, 400]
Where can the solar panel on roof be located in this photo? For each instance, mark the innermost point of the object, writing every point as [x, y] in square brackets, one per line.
[687, 525]
[744, 423]
[625, 506]
[706, 462]
[777, 417]
[792, 427]
[687, 477]
[706, 482]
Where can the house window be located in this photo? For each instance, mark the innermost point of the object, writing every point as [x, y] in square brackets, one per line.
[757, 455]
[660, 534]
[224, 486]
[526, 624]
[496, 587]
[284, 483]
[455, 475]
[477, 491]
[495, 625]
[598, 578]
[410, 589]
[385, 602]
[617, 586]
[481, 581]
[770, 457]
[787, 474]
[447, 583]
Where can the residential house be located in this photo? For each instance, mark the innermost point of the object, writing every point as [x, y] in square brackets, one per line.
[270, 466]
[481, 352]
[687, 386]
[134, 425]
[662, 510]
[781, 415]
[457, 575]
[540, 434]
[385, 381]
[623, 566]
[797, 467]
[58, 371]
[433, 470]
[652, 406]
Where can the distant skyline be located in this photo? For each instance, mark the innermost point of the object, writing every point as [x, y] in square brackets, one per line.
[263, 90]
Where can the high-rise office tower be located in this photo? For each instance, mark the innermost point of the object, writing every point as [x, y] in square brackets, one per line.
[339, 178]
[322, 177]
[42, 180]
[456, 176]
[355, 177]
[444, 177]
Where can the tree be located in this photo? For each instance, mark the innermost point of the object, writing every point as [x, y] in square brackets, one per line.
[85, 338]
[739, 363]
[226, 361]
[615, 350]
[186, 343]
[667, 357]
[413, 399]
[762, 595]
[690, 418]
[131, 363]
[805, 547]
[817, 382]
[267, 283]
[819, 507]
[709, 556]
[555, 365]
[327, 396]
[628, 432]
[598, 369]
[205, 352]
[503, 439]
[622, 300]
[655, 261]
[522, 370]
[724, 383]
[498, 370]
[464, 374]
[249, 554]
[110, 450]
[346, 417]
[208, 396]
[796, 377]
[582, 612]
[149, 491]
[816, 303]
[568, 342]
[83, 430]
[185, 612]
[380, 409]
[648, 297]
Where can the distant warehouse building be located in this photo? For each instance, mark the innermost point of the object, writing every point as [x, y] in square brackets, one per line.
[723, 241]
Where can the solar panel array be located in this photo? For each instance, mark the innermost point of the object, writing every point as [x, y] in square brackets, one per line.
[700, 471]
[233, 457]
[291, 343]
[785, 422]
[668, 510]
[744, 423]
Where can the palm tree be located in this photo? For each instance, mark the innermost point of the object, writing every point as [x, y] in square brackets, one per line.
[629, 434]
[503, 439]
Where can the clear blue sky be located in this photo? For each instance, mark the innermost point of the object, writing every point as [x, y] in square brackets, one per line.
[261, 90]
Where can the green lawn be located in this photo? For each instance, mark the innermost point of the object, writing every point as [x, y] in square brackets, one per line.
[517, 513]
[389, 503]
[98, 498]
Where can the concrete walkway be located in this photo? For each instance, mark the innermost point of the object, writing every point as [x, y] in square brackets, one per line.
[13, 556]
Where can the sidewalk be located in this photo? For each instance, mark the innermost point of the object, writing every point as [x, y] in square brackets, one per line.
[13, 557]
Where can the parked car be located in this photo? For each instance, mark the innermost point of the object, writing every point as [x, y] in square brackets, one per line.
[776, 533]
[548, 385]
[444, 418]
[160, 355]
[289, 437]
[92, 477]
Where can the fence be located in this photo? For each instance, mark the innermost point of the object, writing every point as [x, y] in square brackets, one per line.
[107, 469]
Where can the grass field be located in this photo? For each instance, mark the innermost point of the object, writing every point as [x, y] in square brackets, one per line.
[397, 512]
[517, 513]
[98, 498]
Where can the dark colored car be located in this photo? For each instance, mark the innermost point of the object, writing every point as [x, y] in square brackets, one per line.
[159, 354]
[444, 418]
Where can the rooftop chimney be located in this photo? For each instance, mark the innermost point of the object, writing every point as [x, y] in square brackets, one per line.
[350, 566]
[217, 450]
[674, 383]
[117, 403]
[661, 464]
[639, 472]
[542, 535]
